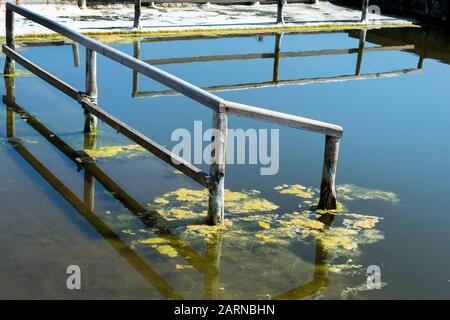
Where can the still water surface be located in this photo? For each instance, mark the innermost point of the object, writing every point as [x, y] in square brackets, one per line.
[392, 174]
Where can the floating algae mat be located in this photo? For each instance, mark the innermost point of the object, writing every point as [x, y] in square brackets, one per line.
[127, 151]
[252, 222]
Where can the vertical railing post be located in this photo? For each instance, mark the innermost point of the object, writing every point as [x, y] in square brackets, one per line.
[365, 10]
[280, 7]
[328, 185]
[362, 44]
[137, 14]
[90, 121]
[217, 168]
[9, 68]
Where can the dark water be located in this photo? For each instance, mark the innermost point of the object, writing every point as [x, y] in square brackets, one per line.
[392, 166]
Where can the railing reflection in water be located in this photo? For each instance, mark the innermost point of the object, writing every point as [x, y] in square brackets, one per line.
[277, 55]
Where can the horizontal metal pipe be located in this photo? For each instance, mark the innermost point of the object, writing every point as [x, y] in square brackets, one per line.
[148, 144]
[282, 118]
[156, 74]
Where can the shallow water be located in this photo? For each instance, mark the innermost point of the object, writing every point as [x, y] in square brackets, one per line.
[392, 168]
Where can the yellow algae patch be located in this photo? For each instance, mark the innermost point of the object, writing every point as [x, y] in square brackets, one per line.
[264, 225]
[152, 241]
[266, 239]
[366, 223]
[235, 202]
[339, 268]
[297, 190]
[189, 195]
[351, 192]
[304, 223]
[361, 221]
[333, 242]
[111, 151]
[255, 205]
[234, 196]
[161, 201]
[130, 232]
[182, 214]
[167, 251]
[204, 230]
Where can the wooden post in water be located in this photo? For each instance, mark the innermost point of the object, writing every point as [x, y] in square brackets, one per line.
[217, 168]
[90, 121]
[280, 7]
[9, 68]
[328, 186]
[137, 14]
[365, 10]
[82, 4]
[362, 43]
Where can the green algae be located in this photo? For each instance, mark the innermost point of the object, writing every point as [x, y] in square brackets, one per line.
[127, 151]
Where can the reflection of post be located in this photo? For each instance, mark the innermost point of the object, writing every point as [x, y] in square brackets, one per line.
[320, 279]
[136, 53]
[9, 24]
[89, 191]
[217, 168]
[76, 55]
[90, 121]
[280, 7]
[423, 48]
[276, 57]
[362, 43]
[328, 185]
[137, 14]
[211, 277]
[10, 100]
[365, 10]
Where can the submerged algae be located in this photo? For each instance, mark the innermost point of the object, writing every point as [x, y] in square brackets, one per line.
[112, 151]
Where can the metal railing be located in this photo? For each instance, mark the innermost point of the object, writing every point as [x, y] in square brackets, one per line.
[214, 180]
